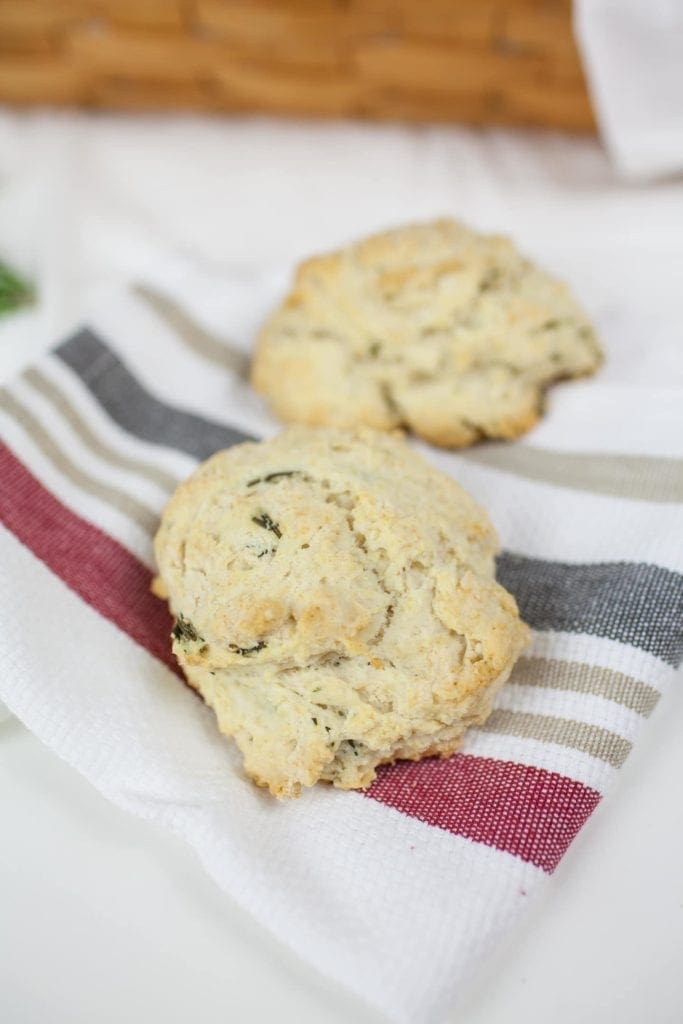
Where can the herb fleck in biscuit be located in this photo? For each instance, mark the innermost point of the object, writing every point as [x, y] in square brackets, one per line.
[335, 604]
[435, 327]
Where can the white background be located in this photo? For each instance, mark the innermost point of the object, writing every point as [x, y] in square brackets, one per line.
[104, 918]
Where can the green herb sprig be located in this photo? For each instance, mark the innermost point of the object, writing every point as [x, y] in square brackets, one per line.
[14, 290]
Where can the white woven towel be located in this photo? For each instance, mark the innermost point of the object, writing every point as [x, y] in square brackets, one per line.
[396, 893]
[633, 55]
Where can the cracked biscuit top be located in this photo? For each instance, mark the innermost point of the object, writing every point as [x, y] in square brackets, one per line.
[435, 328]
[335, 604]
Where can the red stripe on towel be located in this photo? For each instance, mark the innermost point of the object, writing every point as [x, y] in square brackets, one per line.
[99, 569]
[529, 812]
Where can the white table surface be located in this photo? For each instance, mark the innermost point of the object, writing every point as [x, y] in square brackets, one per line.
[104, 918]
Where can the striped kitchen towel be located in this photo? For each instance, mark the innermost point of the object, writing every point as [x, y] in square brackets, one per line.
[399, 891]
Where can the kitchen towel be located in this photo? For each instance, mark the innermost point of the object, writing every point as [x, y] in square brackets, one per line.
[398, 892]
[633, 56]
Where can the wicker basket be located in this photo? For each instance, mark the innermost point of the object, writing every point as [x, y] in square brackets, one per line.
[488, 62]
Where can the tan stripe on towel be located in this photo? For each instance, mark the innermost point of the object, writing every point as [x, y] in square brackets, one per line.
[583, 678]
[59, 400]
[205, 344]
[642, 477]
[590, 739]
[112, 496]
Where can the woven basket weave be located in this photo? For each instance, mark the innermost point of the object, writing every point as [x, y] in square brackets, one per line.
[488, 62]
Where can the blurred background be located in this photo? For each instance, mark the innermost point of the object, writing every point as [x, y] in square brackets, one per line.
[161, 139]
[487, 62]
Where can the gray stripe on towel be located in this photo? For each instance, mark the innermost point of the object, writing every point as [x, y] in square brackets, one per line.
[135, 409]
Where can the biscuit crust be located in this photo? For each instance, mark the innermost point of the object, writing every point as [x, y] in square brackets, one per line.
[435, 328]
[335, 604]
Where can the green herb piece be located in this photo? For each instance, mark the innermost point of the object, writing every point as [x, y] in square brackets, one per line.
[375, 349]
[315, 721]
[490, 279]
[388, 398]
[270, 478]
[14, 291]
[266, 551]
[267, 523]
[184, 630]
[246, 652]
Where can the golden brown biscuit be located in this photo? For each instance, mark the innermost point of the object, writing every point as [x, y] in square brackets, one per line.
[335, 604]
[435, 328]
